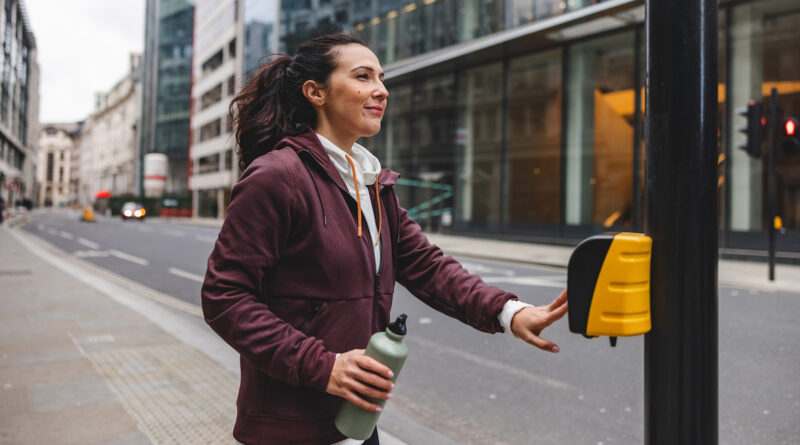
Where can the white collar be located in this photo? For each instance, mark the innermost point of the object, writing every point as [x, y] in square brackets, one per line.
[367, 165]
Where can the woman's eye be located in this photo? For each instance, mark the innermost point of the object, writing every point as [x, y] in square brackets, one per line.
[363, 76]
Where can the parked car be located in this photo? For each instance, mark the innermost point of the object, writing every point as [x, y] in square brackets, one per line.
[133, 210]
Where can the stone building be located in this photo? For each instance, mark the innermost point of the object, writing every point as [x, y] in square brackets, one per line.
[56, 173]
[109, 137]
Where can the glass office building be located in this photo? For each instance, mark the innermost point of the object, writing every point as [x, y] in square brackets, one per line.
[166, 78]
[523, 119]
[19, 105]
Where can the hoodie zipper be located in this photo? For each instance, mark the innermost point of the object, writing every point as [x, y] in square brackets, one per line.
[315, 307]
[378, 270]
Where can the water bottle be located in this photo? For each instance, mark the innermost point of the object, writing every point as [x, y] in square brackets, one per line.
[388, 348]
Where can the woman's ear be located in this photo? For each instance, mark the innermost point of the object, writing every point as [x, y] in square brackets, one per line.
[314, 92]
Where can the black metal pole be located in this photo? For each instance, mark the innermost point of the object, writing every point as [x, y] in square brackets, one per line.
[774, 120]
[681, 217]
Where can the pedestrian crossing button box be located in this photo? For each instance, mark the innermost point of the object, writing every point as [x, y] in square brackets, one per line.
[608, 282]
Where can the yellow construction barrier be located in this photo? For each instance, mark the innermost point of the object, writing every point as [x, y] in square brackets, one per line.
[88, 214]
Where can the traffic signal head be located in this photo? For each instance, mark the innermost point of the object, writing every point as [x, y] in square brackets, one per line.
[753, 130]
[790, 143]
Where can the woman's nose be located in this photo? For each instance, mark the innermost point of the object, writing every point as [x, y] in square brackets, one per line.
[381, 92]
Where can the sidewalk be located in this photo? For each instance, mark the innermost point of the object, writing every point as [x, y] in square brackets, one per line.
[78, 367]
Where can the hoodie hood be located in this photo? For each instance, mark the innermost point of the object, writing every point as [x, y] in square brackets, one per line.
[367, 166]
[308, 142]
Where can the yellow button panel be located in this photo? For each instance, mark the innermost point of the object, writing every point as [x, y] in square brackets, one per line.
[609, 285]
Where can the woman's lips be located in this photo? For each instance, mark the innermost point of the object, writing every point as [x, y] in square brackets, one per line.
[376, 110]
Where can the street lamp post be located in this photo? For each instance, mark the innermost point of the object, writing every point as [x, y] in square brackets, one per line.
[681, 217]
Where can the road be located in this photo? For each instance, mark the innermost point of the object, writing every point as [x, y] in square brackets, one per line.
[476, 388]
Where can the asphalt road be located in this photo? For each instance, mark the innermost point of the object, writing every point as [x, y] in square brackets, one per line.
[476, 388]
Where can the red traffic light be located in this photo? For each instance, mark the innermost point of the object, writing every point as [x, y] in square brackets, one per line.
[790, 127]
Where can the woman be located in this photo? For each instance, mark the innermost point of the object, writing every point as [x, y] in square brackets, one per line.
[305, 265]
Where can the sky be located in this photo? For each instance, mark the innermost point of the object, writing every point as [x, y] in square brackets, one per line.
[82, 48]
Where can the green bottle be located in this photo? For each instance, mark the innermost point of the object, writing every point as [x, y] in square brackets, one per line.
[388, 348]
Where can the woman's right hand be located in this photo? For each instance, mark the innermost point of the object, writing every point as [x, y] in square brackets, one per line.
[355, 375]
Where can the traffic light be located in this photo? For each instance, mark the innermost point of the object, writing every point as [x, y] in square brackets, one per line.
[790, 143]
[753, 130]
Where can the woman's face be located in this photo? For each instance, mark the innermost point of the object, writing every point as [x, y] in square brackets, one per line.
[355, 98]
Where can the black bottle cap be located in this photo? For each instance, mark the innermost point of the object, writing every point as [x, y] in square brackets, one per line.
[399, 325]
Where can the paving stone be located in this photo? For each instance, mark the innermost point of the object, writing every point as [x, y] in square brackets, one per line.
[57, 396]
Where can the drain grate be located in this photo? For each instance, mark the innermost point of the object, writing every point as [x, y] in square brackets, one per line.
[177, 394]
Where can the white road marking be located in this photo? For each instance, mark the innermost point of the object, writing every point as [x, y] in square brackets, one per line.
[526, 281]
[89, 244]
[91, 253]
[425, 320]
[477, 268]
[172, 232]
[66, 235]
[51, 231]
[187, 275]
[206, 239]
[40, 227]
[145, 229]
[128, 257]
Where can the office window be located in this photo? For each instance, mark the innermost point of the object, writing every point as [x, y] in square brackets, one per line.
[534, 97]
[211, 97]
[210, 130]
[599, 139]
[479, 141]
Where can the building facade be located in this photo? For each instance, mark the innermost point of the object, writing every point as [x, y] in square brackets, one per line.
[166, 86]
[230, 39]
[19, 105]
[57, 167]
[109, 138]
[523, 119]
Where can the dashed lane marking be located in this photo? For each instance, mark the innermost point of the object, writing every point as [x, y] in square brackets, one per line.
[526, 281]
[66, 235]
[478, 268]
[206, 239]
[184, 274]
[89, 244]
[91, 253]
[128, 257]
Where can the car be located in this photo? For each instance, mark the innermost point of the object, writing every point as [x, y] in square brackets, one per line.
[133, 210]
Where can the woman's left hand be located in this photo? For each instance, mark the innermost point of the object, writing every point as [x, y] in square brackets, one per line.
[529, 322]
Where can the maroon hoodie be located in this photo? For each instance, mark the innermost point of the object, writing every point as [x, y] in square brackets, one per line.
[290, 284]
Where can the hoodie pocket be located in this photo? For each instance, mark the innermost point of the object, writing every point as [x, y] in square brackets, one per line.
[313, 310]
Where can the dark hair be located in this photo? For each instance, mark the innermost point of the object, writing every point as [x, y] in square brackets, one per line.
[272, 105]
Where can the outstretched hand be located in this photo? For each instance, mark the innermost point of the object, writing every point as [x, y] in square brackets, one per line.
[355, 375]
[529, 322]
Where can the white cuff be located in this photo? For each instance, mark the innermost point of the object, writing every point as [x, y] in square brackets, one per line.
[509, 310]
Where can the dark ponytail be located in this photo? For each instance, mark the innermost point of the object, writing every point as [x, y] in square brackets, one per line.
[272, 105]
